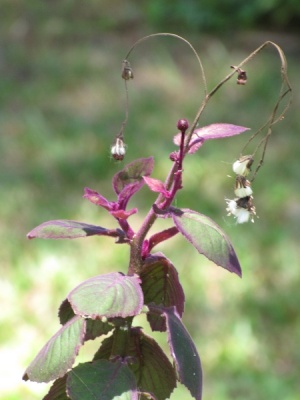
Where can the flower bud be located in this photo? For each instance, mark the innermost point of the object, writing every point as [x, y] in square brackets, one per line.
[242, 166]
[182, 125]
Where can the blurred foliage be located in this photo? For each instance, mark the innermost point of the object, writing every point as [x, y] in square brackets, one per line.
[61, 103]
[220, 15]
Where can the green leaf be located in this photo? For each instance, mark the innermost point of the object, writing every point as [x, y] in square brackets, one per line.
[102, 380]
[110, 295]
[208, 238]
[66, 229]
[58, 355]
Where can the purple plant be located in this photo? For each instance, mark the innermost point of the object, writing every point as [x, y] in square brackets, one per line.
[129, 364]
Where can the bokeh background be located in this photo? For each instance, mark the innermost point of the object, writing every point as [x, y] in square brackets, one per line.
[61, 103]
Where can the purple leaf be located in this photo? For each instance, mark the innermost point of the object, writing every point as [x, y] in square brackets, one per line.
[58, 355]
[161, 286]
[58, 390]
[101, 380]
[127, 193]
[156, 186]
[122, 214]
[94, 328]
[208, 238]
[153, 371]
[161, 236]
[67, 229]
[97, 199]
[133, 174]
[183, 351]
[218, 131]
[65, 312]
[109, 295]
[213, 131]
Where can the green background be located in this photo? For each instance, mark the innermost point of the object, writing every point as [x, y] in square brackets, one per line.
[61, 103]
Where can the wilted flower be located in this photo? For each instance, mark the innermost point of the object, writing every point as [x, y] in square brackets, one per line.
[242, 187]
[126, 70]
[242, 75]
[118, 150]
[242, 209]
[243, 165]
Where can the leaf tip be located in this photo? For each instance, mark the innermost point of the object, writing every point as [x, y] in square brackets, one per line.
[30, 236]
[25, 377]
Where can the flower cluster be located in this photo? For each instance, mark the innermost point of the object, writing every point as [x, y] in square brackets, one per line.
[242, 207]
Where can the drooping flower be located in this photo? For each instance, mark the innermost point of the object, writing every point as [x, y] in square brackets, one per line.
[242, 209]
[243, 165]
[118, 149]
[242, 187]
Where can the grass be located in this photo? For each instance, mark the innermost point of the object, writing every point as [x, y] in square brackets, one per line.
[62, 102]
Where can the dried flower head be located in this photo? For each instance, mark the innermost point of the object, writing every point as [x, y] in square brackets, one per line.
[126, 70]
[243, 165]
[118, 149]
[242, 209]
[242, 75]
[242, 187]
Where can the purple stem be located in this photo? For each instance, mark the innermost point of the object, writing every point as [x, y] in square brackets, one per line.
[174, 178]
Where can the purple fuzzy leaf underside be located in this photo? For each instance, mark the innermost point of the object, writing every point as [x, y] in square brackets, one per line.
[156, 186]
[183, 351]
[109, 295]
[218, 131]
[66, 229]
[208, 238]
[133, 174]
[213, 131]
[102, 380]
[161, 236]
[126, 194]
[161, 286]
[96, 198]
[58, 355]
